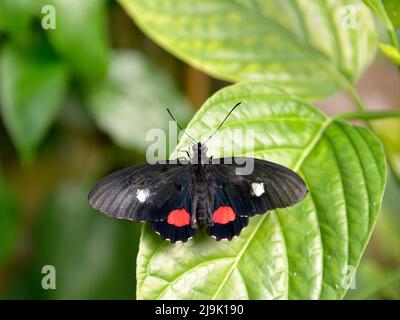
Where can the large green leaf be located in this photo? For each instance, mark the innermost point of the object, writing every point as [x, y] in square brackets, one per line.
[131, 100]
[32, 86]
[302, 252]
[310, 47]
[81, 35]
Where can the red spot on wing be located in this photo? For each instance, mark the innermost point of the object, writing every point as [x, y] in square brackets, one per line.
[224, 215]
[179, 218]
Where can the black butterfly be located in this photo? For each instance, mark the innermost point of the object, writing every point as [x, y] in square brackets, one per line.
[178, 197]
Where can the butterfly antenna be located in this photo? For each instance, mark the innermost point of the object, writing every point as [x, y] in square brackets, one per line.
[219, 127]
[177, 123]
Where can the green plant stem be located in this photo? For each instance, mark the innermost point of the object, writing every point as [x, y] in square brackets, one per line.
[368, 115]
[395, 42]
[361, 109]
[393, 38]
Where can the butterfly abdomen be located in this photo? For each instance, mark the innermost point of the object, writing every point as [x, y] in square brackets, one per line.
[201, 212]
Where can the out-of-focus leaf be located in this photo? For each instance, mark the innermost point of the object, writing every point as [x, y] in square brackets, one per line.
[16, 16]
[389, 13]
[379, 9]
[309, 47]
[389, 131]
[373, 282]
[387, 238]
[81, 35]
[377, 277]
[132, 100]
[391, 52]
[32, 86]
[94, 256]
[8, 220]
[302, 252]
[393, 10]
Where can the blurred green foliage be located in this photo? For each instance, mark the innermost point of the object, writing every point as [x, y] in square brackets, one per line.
[25, 80]
[80, 36]
[393, 10]
[8, 219]
[134, 89]
[93, 258]
[388, 12]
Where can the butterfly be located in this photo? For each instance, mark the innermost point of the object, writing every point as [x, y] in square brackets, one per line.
[178, 197]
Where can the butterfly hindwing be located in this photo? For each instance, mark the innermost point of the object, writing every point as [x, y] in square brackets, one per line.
[173, 233]
[225, 223]
[229, 230]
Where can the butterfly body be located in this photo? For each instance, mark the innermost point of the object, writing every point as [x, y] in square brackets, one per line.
[180, 197]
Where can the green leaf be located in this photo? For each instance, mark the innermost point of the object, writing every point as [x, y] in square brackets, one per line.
[16, 16]
[391, 52]
[297, 253]
[134, 90]
[310, 47]
[32, 86]
[389, 14]
[393, 11]
[379, 9]
[81, 35]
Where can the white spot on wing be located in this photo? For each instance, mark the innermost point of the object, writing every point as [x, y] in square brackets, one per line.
[257, 188]
[142, 195]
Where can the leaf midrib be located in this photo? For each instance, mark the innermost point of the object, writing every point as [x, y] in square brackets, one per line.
[187, 271]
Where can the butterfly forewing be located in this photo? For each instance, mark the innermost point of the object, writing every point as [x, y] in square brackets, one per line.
[268, 185]
[145, 192]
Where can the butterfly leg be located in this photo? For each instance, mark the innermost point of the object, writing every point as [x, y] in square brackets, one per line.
[187, 153]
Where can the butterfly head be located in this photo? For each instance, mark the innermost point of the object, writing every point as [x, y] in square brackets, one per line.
[200, 148]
